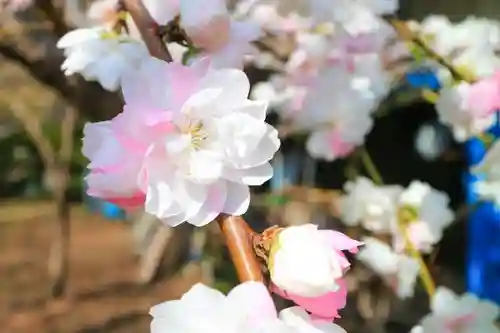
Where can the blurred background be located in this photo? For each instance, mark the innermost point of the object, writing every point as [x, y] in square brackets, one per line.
[69, 263]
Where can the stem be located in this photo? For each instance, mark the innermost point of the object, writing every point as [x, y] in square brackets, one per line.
[370, 167]
[406, 34]
[425, 275]
[148, 29]
[238, 241]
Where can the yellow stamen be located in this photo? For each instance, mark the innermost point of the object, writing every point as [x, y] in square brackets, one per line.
[109, 35]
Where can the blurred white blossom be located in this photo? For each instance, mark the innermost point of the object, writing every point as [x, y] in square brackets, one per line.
[464, 314]
[373, 207]
[398, 270]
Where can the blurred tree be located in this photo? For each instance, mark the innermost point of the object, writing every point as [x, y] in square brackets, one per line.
[28, 39]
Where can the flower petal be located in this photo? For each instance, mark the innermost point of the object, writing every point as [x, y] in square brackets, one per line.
[237, 199]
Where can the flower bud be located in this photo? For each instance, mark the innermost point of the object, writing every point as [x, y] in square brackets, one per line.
[302, 261]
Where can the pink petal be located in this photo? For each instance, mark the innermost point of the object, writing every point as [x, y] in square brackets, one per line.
[325, 307]
[484, 96]
[135, 200]
[341, 242]
[339, 146]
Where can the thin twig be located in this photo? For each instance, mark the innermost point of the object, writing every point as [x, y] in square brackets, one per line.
[370, 167]
[148, 29]
[406, 34]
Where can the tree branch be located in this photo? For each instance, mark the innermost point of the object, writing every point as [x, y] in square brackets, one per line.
[237, 235]
[148, 29]
[33, 127]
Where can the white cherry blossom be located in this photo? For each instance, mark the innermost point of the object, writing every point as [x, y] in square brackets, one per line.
[398, 270]
[373, 207]
[101, 55]
[459, 314]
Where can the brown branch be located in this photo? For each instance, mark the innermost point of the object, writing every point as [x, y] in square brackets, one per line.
[55, 15]
[148, 28]
[238, 241]
[32, 126]
[67, 136]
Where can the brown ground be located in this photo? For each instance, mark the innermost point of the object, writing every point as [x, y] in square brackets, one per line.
[102, 294]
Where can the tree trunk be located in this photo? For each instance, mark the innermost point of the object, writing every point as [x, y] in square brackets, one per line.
[58, 264]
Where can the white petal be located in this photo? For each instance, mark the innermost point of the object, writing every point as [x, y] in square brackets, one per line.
[237, 200]
[77, 37]
[256, 109]
[234, 84]
[160, 200]
[189, 195]
[204, 103]
[203, 295]
[212, 206]
[249, 296]
[205, 166]
[252, 176]
[263, 152]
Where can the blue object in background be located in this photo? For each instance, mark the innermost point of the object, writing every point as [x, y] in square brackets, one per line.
[286, 167]
[106, 209]
[423, 78]
[483, 231]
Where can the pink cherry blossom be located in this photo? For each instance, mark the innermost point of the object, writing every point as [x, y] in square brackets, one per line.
[484, 96]
[326, 306]
[187, 144]
[212, 29]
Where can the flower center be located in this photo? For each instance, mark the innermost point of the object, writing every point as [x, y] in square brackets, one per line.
[108, 34]
[196, 132]
[407, 214]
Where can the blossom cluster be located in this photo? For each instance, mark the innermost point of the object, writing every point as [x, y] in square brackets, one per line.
[335, 77]
[192, 137]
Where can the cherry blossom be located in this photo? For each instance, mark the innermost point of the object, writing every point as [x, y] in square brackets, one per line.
[428, 215]
[337, 114]
[398, 270]
[102, 55]
[247, 308]
[373, 207]
[187, 144]
[453, 109]
[459, 314]
[226, 40]
[306, 266]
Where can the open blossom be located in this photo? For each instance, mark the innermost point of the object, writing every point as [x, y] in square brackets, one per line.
[247, 308]
[356, 17]
[459, 314]
[337, 114]
[212, 29]
[187, 144]
[454, 109]
[398, 270]
[428, 213]
[100, 54]
[282, 97]
[373, 207]
[306, 265]
[488, 187]
[484, 96]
